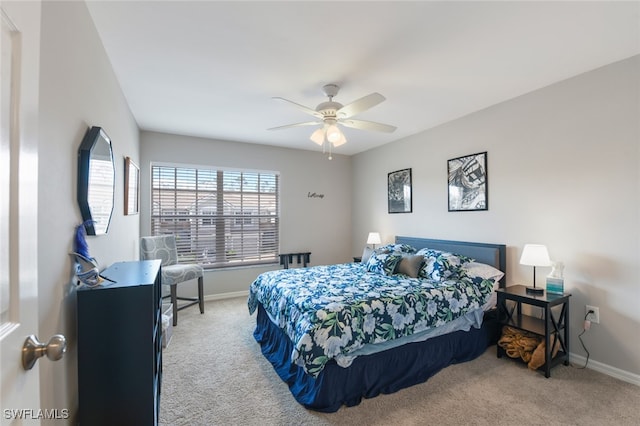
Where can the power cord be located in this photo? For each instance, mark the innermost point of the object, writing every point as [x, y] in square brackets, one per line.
[587, 326]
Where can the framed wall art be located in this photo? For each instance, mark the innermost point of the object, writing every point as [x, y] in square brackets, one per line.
[131, 187]
[399, 192]
[468, 183]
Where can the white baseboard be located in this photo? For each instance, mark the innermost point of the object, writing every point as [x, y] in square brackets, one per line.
[222, 296]
[623, 375]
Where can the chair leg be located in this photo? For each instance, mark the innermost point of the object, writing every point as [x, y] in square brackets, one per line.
[201, 293]
[174, 301]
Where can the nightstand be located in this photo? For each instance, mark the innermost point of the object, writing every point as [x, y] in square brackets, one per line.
[550, 327]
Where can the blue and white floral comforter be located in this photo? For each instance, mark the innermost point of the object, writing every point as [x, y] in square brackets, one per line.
[334, 310]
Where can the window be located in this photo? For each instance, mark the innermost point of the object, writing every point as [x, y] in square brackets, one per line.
[244, 219]
[220, 218]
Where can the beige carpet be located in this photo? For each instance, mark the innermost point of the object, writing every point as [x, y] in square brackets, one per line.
[215, 374]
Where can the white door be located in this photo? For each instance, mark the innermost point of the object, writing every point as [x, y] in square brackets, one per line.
[19, 70]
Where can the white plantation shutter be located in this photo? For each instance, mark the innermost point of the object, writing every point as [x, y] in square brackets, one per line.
[221, 218]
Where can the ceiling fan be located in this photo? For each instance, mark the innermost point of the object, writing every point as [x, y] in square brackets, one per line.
[331, 113]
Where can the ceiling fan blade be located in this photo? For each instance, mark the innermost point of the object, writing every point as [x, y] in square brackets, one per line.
[368, 125]
[302, 107]
[360, 105]
[306, 123]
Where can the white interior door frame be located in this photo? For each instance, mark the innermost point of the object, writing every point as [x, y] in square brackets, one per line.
[19, 391]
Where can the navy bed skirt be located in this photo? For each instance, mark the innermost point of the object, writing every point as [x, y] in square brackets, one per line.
[369, 375]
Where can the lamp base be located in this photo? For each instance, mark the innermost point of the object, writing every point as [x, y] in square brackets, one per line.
[535, 290]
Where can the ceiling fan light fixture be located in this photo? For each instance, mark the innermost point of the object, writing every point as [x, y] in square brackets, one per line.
[341, 141]
[318, 136]
[334, 134]
[330, 113]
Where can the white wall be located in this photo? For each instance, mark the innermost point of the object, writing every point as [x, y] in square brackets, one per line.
[319, 225]
[77, 89]
[563, 170]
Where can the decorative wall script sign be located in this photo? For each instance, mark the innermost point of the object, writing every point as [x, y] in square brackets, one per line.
[314, 195]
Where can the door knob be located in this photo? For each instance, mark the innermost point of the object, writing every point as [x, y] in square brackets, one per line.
[34, 349]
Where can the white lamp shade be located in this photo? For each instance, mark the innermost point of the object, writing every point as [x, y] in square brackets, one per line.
[333, 133]
[318, 136]
[342, 140]
[374, 238]
[535, 255]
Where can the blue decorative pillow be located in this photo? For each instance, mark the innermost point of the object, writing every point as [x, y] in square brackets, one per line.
[402, 248]
[441, 265]
[383, 263]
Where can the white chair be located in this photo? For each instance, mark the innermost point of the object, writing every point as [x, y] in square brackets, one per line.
[163, 247]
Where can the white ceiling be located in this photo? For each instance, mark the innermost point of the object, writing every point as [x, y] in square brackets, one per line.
[211, 68]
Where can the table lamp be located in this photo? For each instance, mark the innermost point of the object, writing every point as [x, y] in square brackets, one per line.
[373, 239]
[535, 255]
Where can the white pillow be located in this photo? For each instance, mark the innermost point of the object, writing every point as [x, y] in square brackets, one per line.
[366, 254]
[484, 271]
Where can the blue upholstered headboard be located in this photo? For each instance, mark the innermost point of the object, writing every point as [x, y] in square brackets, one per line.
[491, 254]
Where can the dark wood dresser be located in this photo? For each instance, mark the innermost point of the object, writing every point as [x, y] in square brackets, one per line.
[120, 346]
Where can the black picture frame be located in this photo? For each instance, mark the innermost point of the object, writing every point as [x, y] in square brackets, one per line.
[96, 181]
[468, 183]
[400, 191]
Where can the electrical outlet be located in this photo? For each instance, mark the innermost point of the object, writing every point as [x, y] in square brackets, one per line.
[593, 317]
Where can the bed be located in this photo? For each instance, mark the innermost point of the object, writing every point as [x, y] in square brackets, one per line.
[339, 333]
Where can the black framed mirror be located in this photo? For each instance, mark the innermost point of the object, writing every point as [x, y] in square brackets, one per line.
[96, 181]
